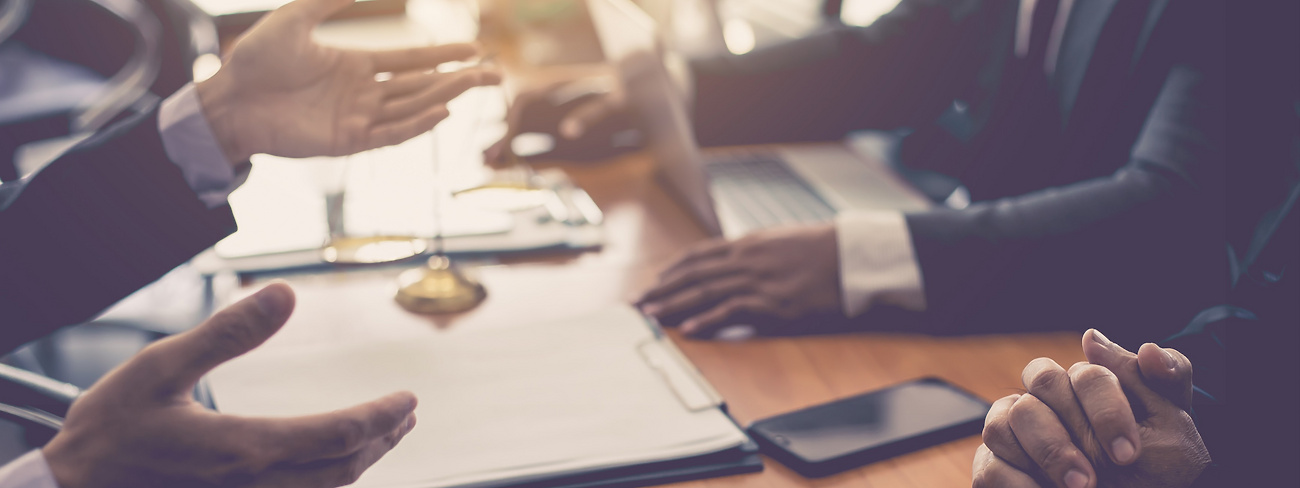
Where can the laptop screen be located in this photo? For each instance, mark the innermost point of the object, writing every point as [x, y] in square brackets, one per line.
[624, 31]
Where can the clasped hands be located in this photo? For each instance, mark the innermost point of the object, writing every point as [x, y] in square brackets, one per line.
[1119, 420]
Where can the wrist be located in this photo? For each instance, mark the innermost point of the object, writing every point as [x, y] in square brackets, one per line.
[219, 99]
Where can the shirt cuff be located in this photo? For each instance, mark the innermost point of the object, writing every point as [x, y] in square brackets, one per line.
[28, 471]
[877, 263]
[191, 146]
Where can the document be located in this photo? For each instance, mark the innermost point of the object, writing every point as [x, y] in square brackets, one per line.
[500, 405]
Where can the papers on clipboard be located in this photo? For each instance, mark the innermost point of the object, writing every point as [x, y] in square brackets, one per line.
[503, 406]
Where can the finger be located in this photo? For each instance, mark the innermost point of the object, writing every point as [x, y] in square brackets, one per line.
[1101, 351]
[493, 155]
[1108, 411]
[586, 115]
[515, 112]
[990, 471]
[314, 11]
[708, 323]
[420, 58]
[396, 132]
[709, 250]
[1043, 437]
[496, 154]
[333, 434]
[330, 473]
[1168, 372]
[690, 277]
[684, 271]
[447, 87]
[403, 84]
[697, 296]
[1000, 439]
[173, 365]
[1048, 382]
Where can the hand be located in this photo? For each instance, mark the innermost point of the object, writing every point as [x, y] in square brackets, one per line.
[781, 274]
[139, 427]
[566, 108]
[1078, 428]
[281, 93]
[585, 112]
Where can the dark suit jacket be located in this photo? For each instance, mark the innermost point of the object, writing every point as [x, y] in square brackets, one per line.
[114, 213]
[1099, 190]
[100, 222]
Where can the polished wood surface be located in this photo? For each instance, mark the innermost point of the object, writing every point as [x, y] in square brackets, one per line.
[645, 230]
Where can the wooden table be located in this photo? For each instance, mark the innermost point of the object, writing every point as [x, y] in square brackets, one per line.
[758, 378]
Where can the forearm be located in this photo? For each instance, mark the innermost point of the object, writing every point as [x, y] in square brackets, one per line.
[1140, 247]
[902, 69]
[95, 225]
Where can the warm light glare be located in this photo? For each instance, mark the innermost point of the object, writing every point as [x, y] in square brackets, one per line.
[205, 66]
[738, 35]
[865, 12]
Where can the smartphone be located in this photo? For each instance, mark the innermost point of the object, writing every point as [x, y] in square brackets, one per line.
[844, 434]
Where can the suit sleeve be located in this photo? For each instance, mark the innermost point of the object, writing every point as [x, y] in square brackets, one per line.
[909, 64]
[101, 221]
[1112, 244]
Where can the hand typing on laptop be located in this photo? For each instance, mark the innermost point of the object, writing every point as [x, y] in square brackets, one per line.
[775, 276]
[138, 426]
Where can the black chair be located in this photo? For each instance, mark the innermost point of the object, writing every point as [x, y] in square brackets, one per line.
[148, 49]
[36, 404]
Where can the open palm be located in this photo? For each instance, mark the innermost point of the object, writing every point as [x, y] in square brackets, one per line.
[280, 92]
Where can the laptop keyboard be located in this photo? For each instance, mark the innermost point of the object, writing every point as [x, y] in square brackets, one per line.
[763, 191]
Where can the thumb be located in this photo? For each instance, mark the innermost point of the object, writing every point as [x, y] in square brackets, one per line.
[1101, 351]
[179, 361]
[315, 11]
[1168, 372]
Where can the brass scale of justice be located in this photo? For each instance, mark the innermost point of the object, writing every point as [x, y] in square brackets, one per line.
[439, 287]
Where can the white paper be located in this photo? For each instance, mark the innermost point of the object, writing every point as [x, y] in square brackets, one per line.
[495, 404]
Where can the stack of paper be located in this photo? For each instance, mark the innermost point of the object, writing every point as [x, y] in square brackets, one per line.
[496, 406]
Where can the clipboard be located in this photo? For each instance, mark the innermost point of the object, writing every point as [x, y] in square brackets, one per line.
[625, 423]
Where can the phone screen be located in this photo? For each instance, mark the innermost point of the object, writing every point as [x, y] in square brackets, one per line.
[879, 419]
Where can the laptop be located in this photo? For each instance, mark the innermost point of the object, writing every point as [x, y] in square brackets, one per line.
[737, 190]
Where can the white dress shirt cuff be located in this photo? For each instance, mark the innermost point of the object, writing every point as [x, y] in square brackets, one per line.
[877, 263]
[28, 471]
[191, 145]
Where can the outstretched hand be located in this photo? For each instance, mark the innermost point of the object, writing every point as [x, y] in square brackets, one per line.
[279, 92]
[139, 426]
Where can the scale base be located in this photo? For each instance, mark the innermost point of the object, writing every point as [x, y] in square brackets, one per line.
[438, 288]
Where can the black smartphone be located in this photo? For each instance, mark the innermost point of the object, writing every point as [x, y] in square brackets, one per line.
[844, 434]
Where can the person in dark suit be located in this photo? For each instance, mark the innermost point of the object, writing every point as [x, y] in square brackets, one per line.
[1088, 135]
[129, 202]
[1136, 419]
